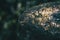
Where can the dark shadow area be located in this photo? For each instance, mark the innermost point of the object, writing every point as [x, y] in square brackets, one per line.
[12, 12]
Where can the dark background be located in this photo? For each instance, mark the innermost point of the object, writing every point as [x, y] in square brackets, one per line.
[10, 29]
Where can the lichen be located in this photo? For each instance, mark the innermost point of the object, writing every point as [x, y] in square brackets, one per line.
[43, 16]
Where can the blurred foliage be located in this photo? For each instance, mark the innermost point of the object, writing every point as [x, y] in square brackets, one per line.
[10, 28]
